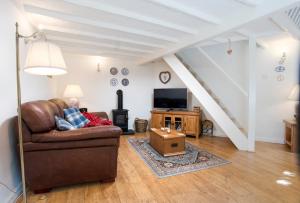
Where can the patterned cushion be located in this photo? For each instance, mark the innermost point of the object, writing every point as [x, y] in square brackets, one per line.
[76, 118]
[62, 124]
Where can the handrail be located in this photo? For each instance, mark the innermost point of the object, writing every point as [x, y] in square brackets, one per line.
[221, 69]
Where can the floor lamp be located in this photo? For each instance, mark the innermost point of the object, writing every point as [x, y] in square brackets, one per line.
[43, 58]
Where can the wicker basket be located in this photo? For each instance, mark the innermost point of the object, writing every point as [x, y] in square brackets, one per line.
[140, 125]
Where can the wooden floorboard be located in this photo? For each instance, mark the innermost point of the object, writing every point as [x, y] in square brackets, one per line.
[250, 177]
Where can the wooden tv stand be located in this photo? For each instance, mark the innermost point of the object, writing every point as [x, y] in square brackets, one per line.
[187, 122]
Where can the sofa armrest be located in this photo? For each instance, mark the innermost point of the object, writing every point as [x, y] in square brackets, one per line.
[98, 132]
[100, 114]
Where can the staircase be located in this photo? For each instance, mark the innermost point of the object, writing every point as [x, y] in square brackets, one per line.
[210, 92]
[209, 101]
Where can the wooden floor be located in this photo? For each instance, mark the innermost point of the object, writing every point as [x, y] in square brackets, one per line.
[251, 177]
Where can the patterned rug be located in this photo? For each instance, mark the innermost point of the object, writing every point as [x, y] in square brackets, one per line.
[194, 159]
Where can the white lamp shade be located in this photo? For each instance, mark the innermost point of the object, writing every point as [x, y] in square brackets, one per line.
[45, 58]
[73, 91]
[294, 95]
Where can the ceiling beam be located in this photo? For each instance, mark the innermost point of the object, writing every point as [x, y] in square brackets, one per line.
[100, 36]
[93, 52]
[285, 22]
[257, 35]
[220, 40]
[269, 34]
[259, 42]
[94, 23]
[103, 45]
[181, 7]
[251, 3]
[132, 15]
[207, 43]
[265, 9]
[278, 24]
[98, 48]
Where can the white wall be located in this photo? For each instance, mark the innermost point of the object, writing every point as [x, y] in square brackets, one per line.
[99, 95]
[272, 103]
[34, 87]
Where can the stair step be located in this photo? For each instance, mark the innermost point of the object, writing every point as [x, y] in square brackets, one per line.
[217, 100]
[214, 109]
[210, 92]
[243, 130]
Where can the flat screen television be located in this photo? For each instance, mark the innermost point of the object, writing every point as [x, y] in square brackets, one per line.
[170, 98]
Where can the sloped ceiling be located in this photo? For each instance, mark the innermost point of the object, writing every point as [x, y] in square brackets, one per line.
[145, 30]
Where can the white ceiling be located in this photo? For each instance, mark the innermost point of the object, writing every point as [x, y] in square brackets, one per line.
[145, 30]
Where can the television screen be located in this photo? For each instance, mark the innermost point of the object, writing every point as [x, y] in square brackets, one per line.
[170, 98]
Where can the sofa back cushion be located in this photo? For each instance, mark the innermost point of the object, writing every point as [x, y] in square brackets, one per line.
[61, 105]
[39, 115]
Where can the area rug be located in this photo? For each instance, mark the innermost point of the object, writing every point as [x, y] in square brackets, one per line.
[194, 159]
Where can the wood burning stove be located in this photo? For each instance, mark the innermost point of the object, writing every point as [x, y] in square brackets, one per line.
[120, 115]
[120, 118]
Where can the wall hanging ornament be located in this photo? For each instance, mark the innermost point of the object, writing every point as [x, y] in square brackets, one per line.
[113, 82]
[125, 82]
[164, 77]
[280, 77]
[125, 71]
[281, 67]
[229, 50]
[113, 71]
[98, 68]
[282, 59]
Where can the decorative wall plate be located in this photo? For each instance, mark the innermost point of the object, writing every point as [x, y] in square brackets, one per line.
[125, 82]
[164, 77]
[113, 71]
[113, 82]
[125, 71]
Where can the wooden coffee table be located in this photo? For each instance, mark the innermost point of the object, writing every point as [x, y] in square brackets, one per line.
[167, 144]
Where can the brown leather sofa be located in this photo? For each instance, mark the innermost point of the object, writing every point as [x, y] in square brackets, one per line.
[58, 158]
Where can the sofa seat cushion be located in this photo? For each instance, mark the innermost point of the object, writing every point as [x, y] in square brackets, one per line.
[108, 142]
[78, 134]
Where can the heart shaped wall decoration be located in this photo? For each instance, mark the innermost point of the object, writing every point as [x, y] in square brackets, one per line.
[164, 77]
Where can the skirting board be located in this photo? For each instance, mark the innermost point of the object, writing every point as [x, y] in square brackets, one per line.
[13, 196]
[271, 140]
[260, 139]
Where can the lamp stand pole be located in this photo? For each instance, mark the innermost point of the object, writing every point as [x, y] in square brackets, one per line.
[18, 36]
[34, 36]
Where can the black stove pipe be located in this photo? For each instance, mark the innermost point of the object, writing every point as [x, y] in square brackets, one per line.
[120, 99]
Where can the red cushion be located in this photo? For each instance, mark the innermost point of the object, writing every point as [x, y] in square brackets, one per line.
[95, 120]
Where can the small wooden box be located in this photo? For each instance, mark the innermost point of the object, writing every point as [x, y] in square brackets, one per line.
[197, 109]
[167, 144]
